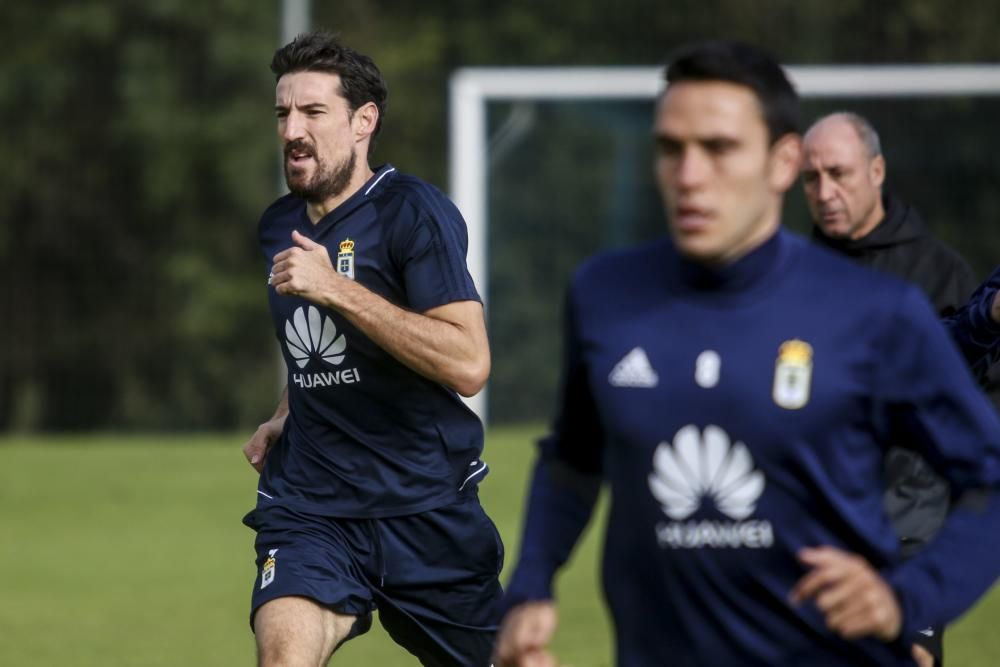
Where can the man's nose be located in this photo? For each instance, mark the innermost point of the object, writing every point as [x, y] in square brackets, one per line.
[824, 188]
[291, 127]
[692, 169]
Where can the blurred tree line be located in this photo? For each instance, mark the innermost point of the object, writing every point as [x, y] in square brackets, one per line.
[139, 151]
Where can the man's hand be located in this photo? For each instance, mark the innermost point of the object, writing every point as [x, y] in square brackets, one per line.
[855, 600]
[524, 636]
[303, 270]
[260, 442]
[922, 656]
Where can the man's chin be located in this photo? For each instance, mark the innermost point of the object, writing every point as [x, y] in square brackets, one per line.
[834, 231]
[298, 175]
[696, 247]
[298, 185]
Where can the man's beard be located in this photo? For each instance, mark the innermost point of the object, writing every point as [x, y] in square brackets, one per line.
[326, 182]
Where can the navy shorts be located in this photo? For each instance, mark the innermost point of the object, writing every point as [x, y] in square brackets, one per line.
[433, 576]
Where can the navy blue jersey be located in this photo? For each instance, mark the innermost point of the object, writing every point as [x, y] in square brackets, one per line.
[738, 416]
[367, 437]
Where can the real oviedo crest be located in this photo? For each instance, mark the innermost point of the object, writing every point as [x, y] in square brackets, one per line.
[345, 259]
[793, 374]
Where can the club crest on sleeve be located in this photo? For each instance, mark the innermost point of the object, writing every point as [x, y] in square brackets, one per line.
[345, 259]
[793, 374]
[268, 570]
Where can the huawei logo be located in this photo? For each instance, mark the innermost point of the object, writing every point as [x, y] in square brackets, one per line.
[313, 337]
[705, 465]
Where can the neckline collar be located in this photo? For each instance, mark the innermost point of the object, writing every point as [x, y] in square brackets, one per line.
[737, 276]
[372, 187]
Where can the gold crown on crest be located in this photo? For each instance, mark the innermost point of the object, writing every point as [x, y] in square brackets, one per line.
[347, 245]
[795, 351]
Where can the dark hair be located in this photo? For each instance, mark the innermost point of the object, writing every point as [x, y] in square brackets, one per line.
[319, 51]
[745, 65]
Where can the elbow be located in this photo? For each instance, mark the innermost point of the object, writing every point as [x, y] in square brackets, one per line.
[470, 379]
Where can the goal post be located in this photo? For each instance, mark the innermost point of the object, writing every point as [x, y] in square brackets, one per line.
[471, 90]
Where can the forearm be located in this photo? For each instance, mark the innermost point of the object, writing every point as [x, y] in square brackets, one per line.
[282, 410]
[976, 327]
[943, 580]
[560, 505]
[266, 434]
[976, 333]
[453, 351]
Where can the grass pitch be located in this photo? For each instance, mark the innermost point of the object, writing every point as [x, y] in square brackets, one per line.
[129, 551]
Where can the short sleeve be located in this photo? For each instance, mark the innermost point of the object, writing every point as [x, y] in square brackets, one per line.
[431, 250]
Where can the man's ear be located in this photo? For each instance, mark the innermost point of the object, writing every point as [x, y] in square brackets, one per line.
[876, 171]
[365, 120]
[785, 161]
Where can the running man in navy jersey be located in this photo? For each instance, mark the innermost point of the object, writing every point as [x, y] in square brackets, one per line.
[736, 387]
[369, 468]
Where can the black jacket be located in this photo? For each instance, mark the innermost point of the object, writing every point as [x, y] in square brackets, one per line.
[902, 245]
[916, 498]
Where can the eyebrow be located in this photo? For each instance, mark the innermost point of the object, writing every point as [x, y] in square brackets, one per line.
[717, 140]
[308, 106]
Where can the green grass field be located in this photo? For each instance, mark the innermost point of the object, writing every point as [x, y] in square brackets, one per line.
[129, 551]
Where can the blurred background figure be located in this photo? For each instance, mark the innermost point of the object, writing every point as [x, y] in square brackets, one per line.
[843, 173]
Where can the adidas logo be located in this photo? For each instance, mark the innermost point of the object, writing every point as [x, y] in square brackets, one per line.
[313, 337]
[703, 465]
[634, 370]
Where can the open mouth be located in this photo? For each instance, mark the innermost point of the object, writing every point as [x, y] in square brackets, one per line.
[297, 154]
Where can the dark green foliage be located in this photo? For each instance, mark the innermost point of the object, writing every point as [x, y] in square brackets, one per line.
[139, 151]
[138, 157]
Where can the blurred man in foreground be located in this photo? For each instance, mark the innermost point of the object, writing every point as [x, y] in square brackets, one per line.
[736, 388]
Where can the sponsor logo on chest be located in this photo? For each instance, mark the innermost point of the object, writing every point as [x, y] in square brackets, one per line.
[313, 339]
[705, 468]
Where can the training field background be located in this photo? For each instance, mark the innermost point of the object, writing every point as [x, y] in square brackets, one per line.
[129, 551]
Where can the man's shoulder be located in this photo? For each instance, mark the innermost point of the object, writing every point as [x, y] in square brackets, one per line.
[276, 218]
[911, 236]
[807, 261]
[405, 201]
[414, 190]
[834, 285]
[845, 285]
[284, 205]
[950, 259]
[821, 258]
[935, 266]
[635, 260]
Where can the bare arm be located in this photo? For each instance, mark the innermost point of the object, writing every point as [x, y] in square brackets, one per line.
[447, 344]
[260, 442]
